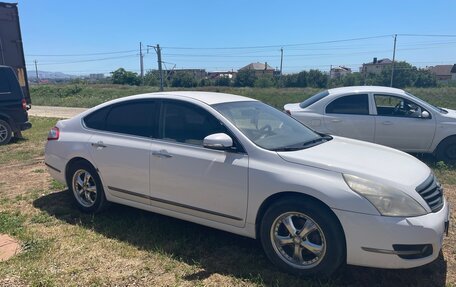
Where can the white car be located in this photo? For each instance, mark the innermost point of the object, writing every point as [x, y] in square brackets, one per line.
[236, 164]
[381, 115]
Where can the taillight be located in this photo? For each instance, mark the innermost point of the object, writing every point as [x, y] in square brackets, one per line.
[24, 105]
[54, 134]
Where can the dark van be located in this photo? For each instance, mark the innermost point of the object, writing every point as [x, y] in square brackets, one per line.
[13, 106]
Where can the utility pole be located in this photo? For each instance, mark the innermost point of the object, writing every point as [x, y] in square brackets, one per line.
[36, 72]
[160, 70]
[159, 60]
[141, 61]
[394, 58]
[281, 60]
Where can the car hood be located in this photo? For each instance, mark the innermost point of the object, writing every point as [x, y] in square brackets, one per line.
[367, 160]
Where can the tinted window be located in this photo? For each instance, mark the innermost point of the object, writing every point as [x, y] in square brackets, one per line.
[352, 105]
[133, 118]
[313, 99]
[4, 81]
[96, 120]
[188, 123]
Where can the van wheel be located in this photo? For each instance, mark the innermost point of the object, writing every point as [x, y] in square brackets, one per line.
[302, 237]
[5, 132]
[446, 151]
[86, 187]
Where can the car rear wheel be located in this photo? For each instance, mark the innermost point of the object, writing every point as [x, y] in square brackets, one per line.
[86, 187]
[302, 237]
[5, 132]
[446, 151]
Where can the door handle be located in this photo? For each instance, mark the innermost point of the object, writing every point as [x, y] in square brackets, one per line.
[99, 144]
[336, 120]
[387, 123]
[161, 153]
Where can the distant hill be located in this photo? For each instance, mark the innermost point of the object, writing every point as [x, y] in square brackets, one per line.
[50, 75]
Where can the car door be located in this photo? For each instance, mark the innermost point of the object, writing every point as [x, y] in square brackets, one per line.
[399, 124]
[348, 116]
[187, 178]
[120, 148]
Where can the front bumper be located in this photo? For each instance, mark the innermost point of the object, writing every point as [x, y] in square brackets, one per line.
[370, 238]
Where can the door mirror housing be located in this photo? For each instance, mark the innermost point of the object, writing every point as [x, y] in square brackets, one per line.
[220, 141]
[425, 115]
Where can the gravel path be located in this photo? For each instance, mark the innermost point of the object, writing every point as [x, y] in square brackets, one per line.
[54, 112]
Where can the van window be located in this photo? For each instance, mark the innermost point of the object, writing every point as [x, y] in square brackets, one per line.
[4, 81]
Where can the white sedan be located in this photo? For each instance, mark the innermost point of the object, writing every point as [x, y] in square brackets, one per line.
[239, 165]
[381, 115]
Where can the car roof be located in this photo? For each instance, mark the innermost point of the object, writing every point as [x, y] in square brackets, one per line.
[366, 89]
[209, 98]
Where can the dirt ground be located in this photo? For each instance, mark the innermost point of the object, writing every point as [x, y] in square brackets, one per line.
[54, 112]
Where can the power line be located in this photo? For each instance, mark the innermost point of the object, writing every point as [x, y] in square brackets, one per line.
[77, 55]
[277, 46]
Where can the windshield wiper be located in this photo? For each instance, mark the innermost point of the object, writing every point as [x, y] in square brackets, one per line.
[316, 141]
[287, 148]
[307, 144]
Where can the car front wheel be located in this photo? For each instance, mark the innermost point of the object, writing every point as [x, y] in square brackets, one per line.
[302, 237]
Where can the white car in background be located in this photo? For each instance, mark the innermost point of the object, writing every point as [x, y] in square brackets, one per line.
[381, 115]
[236, 164]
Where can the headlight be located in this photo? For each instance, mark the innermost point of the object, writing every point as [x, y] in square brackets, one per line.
[388, 200]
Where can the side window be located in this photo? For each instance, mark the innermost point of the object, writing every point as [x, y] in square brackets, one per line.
[396, 107]
[134, 118]
[187, 123]
[4, 81]
[97, 119]
[351, 105]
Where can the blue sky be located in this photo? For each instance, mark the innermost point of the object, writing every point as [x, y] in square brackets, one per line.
[53, 30]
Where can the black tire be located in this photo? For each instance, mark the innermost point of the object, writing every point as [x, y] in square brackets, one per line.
[446, 151]
[328, 237]
[88, 192]
[5, 132]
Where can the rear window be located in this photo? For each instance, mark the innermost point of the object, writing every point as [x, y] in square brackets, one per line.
[313, 99]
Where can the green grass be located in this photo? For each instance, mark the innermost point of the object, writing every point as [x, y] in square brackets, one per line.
[83, 95]
[31, 147]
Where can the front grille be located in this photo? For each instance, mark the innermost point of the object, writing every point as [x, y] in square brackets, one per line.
[432, 192]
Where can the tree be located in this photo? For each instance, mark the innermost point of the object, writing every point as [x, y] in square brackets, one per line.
[151, 78]
[317, 79]
[223, 81]
[245, 78]
[265, 81]
[123, 77]
[184, 80]
[425, 79]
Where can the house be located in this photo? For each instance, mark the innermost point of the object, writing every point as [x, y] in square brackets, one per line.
[259, 69]
[376, 66]
[443, 73]
[453, 73]
[339, 72]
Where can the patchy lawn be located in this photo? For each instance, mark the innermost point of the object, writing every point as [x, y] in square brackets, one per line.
[125, 246]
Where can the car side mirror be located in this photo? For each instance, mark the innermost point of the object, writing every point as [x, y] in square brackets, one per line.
[425, 115]
[220, 141]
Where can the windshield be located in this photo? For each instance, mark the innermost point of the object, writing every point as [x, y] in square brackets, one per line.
[442, 111]
[268, 127]
[315, 98]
